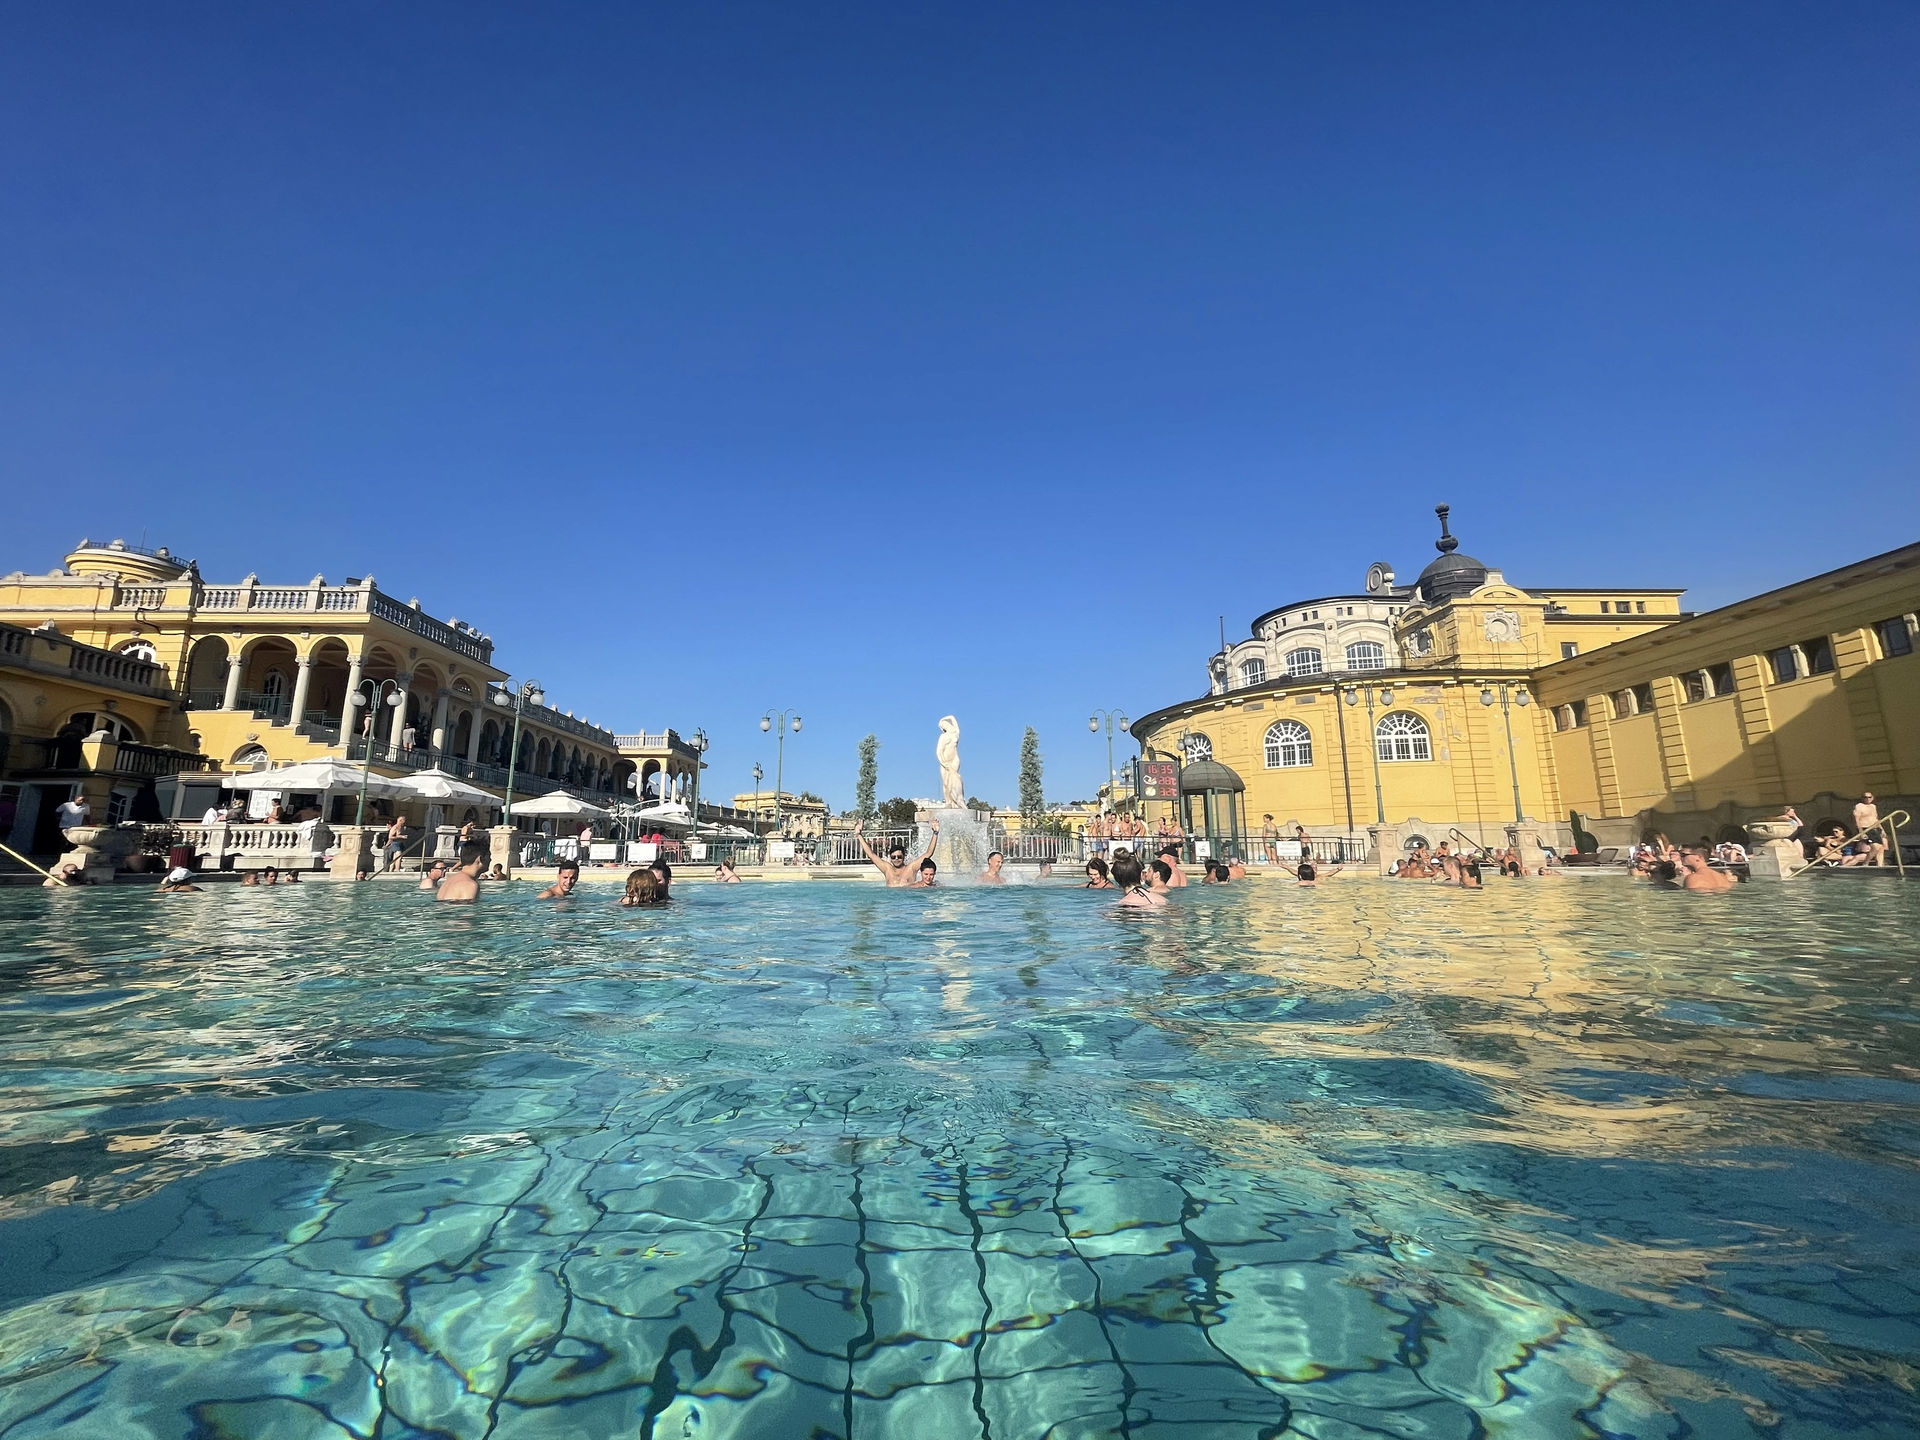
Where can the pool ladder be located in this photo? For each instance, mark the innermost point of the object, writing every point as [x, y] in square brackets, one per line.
[1890, 823]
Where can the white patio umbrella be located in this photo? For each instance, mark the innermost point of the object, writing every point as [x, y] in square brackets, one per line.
[670, 812]
[320, 776]
[559, 803]
[440, 787]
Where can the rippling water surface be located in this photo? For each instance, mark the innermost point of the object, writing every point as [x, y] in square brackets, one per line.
[1566, 1158]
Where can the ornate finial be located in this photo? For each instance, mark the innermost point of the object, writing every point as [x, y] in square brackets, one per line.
[1446, 544]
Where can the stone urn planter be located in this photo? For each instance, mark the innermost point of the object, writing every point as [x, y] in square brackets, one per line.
[1763, 831]
[101, 850]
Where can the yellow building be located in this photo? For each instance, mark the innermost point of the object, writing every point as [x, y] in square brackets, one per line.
[799, 817]
[253, 675]
[1465, 703]
[79, 720]
[1808, 695]
[1395, 708]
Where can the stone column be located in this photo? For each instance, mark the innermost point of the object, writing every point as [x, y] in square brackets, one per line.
[231, 700]
[302, 675]
[500, 847]
[355, 851]
[473, 738]
[439, 737]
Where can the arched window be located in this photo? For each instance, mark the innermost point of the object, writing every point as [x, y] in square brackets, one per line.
[1288, 745]
[1253, 672]
[1402, 736]
[1304, 661]
[1196, 748]
[1622, 704]
[1367, 655]
[140, 650]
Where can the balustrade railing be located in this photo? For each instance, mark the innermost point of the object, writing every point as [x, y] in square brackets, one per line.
[155, 760]
[332, 599]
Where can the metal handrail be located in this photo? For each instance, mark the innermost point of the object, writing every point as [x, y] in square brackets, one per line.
[1889, 822]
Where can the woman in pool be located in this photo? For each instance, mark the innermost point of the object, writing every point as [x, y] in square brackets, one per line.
[1097, 875]
[643, 888]
[724, 873]
[1134, 896]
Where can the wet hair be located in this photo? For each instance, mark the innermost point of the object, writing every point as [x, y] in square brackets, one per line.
[1126, 870]
[1170, 849]
[992, 853]
[566, 865]
[471, 853]
[1667, 872]
[1163, 870]
[1220, 875]
[928, 864]
[1098, 867]
[1306, 871]
[269, 870]
[662, 869]
[643, 887]
[899, 850]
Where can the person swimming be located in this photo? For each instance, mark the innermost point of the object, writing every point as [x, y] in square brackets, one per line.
[1097, 875]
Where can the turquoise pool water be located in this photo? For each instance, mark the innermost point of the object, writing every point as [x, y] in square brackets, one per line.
[1566, 1158]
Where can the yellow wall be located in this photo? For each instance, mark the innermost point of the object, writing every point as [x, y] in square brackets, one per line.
[1812, 741]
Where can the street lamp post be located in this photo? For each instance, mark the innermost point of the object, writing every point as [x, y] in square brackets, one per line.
[1518, 695]
[783, 718]
[758, 776]
[698, 740]
[367, 697]
[1111, 718]
[516, 700]
[1385, 694]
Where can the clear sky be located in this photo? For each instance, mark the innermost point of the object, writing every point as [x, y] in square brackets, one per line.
[888, 360]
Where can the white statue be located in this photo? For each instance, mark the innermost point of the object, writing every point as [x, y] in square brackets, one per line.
[952, 793]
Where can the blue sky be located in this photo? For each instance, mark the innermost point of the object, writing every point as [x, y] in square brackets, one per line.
[889, 360]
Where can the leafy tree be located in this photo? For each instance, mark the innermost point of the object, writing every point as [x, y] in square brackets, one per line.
[863, 806]
[897, 814]
[811, 798]
[987, 807]
[1033, 800]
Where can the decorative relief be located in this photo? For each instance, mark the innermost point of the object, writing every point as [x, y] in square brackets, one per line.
[1503, 628]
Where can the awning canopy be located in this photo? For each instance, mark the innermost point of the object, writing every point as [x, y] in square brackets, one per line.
[559, 804]
[317, 776]
[439, 786]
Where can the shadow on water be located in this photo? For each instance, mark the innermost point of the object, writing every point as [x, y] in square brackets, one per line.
[1564, 1158]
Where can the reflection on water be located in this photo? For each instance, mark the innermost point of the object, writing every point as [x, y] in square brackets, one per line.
[1563, 1159]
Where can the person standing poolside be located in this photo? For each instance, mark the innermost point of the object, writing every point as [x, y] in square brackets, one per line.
[70, 815]
[1269, 840]
[1866, 821]
[462, 887]
[563, 882]
[1697, 874]
[396, 841]
[991, 875]
[1170, 856]
[894, 869]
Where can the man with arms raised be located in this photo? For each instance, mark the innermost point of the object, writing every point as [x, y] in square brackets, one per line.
[894, 868]
[463, 885]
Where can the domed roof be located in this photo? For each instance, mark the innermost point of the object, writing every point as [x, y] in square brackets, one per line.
[1453, 574]
[1205, 775]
